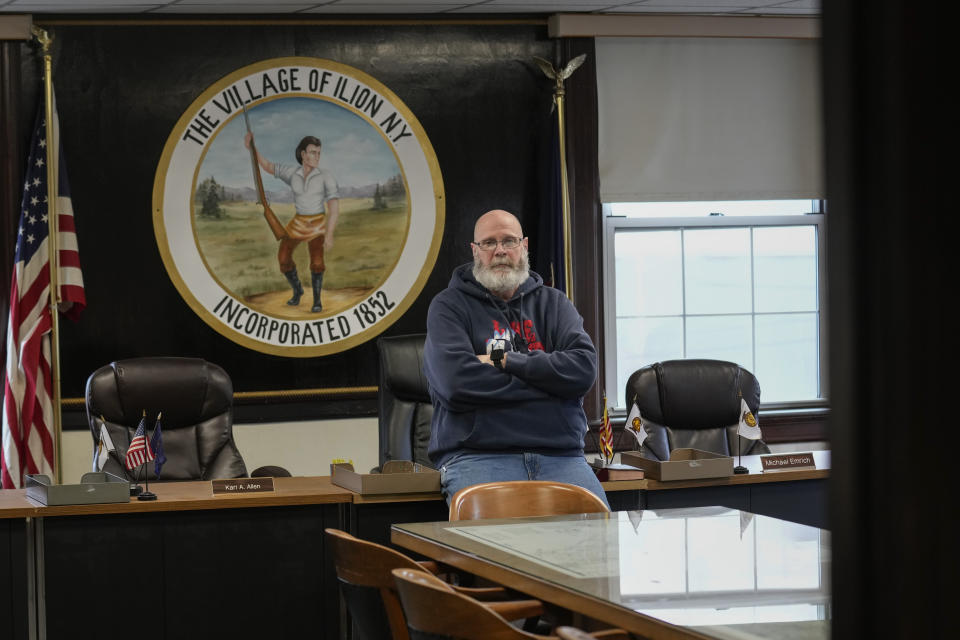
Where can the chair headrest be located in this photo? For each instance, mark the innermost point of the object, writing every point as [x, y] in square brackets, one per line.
[187, 390]
[693, 394]
[401, 367]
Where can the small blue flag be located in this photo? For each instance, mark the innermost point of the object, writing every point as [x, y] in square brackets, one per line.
[156, 443]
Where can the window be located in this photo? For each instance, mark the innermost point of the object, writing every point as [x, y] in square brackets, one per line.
[738, 281]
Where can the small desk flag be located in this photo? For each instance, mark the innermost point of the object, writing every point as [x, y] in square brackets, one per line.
[749, 428]
[103, 449]
[156, 443]
[139, 450]
[634, 424]
[606, 434]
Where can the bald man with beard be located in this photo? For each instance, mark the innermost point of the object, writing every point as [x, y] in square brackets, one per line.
[508, 363]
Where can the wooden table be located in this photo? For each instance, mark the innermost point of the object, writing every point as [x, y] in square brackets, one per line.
[704, 572]
[188, 565]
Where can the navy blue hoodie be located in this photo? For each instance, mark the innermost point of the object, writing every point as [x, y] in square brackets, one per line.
[536, 403]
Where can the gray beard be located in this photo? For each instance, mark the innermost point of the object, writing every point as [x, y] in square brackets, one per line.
[502, 283]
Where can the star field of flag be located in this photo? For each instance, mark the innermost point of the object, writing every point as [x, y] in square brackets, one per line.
[34, 224]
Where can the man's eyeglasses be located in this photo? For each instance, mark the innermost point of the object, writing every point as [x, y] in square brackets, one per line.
[507, 243]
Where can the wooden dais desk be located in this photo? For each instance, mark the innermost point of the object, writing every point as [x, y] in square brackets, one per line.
[188, 565]
[798, 496]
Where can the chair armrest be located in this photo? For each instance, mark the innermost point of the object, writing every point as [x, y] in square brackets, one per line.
[487, 595]
[516, 609]
[572, 633]
[484, 594]
[429, 566]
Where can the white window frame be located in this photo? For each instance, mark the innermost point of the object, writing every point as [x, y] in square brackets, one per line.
[614, 223]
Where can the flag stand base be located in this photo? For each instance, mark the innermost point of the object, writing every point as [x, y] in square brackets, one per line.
[740, 469]
[147, 495]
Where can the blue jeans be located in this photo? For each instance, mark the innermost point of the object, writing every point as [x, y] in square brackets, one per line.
[465, 469]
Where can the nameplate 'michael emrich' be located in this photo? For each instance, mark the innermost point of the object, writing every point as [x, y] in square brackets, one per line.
[788, 462]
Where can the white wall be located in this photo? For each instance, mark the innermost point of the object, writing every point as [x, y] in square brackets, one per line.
[303, 448]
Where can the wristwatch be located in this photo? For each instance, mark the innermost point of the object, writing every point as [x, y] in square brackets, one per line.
[496, 356]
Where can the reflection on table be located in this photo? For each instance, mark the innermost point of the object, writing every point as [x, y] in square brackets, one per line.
[711, 571]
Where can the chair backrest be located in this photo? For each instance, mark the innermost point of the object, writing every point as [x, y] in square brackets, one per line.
[696, 404]
[434, 610]
[368, 587]
[522, 498]
[403, 399]
[196, 399]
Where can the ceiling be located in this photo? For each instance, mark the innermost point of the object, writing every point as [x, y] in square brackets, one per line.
[807, 8]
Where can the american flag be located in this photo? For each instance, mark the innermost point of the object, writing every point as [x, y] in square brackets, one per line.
[606, 434]
[139, 450]
[28, 440]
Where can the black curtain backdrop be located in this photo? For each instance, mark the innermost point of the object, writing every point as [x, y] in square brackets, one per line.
[120, 90]
[892, 371]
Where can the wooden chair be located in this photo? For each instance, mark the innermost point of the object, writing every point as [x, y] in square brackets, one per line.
[434, 610]
[363, 569]
[521, 498]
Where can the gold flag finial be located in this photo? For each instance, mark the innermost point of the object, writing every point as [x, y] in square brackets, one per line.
[42, 36]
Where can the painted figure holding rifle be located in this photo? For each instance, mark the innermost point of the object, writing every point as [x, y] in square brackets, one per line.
[316, 195]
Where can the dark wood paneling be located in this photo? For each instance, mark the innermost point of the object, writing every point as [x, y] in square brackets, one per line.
[587, 221]
[121, 89]
[800, 426]
[795, 427]
[13, 579]
[11, 172]
[230, 573]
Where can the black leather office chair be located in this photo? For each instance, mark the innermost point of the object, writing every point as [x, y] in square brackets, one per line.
[196, 398]
[694, 403]
[403, 400]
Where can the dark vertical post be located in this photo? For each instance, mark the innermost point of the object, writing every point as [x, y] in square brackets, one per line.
[11, 172]
[892, 425]
[584, 183]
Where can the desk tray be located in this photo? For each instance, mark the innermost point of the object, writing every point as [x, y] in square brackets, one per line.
[94, 488]
[418, 479]
[684, 464]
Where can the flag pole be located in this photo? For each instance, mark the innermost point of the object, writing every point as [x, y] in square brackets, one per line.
[146, 494]
[53, 245]
[739, 469]
[559, 75]
[559, 92]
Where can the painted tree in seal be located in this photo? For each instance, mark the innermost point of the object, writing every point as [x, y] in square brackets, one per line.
[210, 194]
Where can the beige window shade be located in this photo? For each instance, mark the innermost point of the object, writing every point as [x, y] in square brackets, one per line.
[709, 119]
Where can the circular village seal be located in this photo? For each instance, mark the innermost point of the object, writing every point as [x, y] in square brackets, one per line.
[298, 207]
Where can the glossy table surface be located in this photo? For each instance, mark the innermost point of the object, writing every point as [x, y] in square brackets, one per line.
[705, 572]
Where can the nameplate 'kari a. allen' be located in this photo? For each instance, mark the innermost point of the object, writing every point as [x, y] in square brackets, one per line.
[236, 486]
